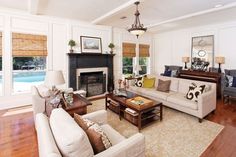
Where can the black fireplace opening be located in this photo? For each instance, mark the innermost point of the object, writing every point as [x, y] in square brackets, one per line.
[94, 83]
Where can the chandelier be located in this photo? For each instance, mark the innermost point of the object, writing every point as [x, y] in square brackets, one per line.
[137, 28]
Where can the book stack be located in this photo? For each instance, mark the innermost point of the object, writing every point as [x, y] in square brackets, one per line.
[132, 112]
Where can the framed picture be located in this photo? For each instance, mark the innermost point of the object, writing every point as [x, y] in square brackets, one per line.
[90, 44]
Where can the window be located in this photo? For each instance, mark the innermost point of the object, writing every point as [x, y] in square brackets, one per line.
[143, 62]
[128, 58]
[29, 54]
[127, 65]
[143, 58]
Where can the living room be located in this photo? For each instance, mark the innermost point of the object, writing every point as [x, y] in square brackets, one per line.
[118, 47]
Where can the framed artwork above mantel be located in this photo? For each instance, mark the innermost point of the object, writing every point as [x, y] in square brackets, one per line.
[90, 44]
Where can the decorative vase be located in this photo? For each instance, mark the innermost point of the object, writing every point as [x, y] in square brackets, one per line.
[71, 50]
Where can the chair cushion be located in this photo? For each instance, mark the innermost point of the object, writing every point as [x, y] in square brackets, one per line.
[181, 100]
[114, 136]
[70, 138]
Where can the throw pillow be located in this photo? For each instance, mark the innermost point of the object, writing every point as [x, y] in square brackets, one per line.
[148, 82]
[195, 91]
[173, 73]
[163, 86]
[167, 73]
[97, 137]
[229, 80]
[234, 82]
[138, 82]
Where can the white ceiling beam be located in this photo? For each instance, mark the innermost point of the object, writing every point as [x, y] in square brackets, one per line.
[231, 5]
[33, 6]
[115, 11]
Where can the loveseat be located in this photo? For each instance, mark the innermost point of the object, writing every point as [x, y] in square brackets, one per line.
[60, 136]
[176, 97]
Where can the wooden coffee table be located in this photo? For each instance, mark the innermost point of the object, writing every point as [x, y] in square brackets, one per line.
[146, 115]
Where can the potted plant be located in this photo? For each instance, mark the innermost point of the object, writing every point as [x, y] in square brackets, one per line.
[111, 46]
[71, 44]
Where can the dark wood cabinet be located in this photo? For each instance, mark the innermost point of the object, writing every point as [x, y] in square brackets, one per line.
[203, 76]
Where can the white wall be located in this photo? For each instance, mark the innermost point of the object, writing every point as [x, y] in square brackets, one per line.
[58, 31]
[171, 46]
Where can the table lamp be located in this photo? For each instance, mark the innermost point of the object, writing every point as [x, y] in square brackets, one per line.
[185, 60]
[53, 78]
[220, 60]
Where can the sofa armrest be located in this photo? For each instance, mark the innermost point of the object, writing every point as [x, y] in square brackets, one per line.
[99, 117]
[130, 147]
[207, 103]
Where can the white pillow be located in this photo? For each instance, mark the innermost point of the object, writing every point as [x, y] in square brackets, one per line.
[70, 138]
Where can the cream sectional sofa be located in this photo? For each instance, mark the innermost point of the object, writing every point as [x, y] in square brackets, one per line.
[176, 97]
[61, 136]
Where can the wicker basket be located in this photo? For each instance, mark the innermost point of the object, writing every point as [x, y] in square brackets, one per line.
[131, 118]
[114, 106]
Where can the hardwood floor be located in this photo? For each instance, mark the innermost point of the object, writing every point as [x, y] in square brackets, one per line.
[17, 134]
[18, 137]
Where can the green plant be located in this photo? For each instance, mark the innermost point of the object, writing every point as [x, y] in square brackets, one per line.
[111, 45]
[71, 44]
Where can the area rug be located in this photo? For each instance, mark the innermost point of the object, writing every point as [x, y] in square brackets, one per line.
[177, 135]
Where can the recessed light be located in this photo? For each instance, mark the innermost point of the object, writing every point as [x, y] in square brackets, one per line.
[218, 5]
[123, 17]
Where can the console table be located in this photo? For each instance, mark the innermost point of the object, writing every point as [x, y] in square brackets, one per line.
[203, 76]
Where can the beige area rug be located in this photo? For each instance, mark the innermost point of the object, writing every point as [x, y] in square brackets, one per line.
[178, 135]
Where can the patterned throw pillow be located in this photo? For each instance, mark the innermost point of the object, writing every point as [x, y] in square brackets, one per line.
[234, 82]
[194, 92]
[229, 80]
[139, 82]
[167, 73]
[97, 137]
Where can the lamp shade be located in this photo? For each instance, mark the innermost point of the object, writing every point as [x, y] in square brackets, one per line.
[185, 59]
[53, 78]
[220, 60]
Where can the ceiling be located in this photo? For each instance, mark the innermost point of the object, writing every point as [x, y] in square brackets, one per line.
[157, 15]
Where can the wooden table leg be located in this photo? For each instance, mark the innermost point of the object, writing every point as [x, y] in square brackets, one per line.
[161, 110]
[139, 121]
[106, 103]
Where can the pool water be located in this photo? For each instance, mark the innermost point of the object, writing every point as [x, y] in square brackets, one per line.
[37, 78]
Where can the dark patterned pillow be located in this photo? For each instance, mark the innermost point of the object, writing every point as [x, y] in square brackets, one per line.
[138, 82]
[194, 92]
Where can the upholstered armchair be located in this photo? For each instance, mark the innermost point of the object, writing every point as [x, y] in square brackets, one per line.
[228, 91]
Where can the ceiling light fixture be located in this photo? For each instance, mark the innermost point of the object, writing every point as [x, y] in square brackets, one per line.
[137, 28]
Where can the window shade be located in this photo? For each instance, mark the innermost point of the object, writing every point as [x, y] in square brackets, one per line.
[144, 50]
[24, 45]
[0, 43]
[128, 49]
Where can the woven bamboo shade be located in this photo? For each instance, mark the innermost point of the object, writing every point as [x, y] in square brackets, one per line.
[0, 43]
[144, 50]
[128, 49]
[24, 45]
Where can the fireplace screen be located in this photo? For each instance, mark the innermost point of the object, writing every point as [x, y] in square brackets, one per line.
[94, 83]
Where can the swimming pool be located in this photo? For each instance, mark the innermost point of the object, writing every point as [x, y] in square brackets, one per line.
[23, 80]
[29, 76]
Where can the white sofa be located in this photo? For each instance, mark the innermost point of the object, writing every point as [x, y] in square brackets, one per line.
[176, 97]
[61, 136]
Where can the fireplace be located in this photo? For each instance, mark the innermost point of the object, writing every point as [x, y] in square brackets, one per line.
[81, 64]
[92, 80]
